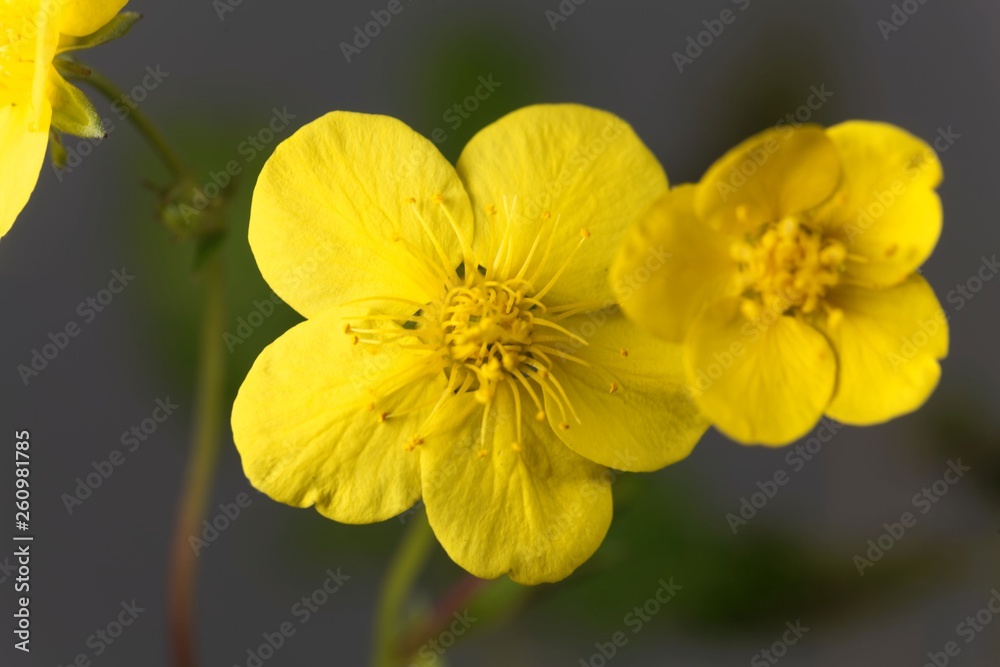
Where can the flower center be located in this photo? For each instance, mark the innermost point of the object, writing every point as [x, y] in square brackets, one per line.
[788, 267]
[20, 25]
[489, 331]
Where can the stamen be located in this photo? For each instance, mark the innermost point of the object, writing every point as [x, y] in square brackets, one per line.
[445, 262]
[548, 251]
[467, 259]
[542, 322]
[517, 416]
[584, 235]
[510, 246]
[560, 354]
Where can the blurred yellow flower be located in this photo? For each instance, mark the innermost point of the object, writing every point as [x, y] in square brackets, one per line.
[793, 283]
[33, 95]
[462, 343]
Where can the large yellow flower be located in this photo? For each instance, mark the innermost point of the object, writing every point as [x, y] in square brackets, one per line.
[793, 280]
[33, 96]
[461, 345]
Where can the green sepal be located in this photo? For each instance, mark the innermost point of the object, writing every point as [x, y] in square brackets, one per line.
[72, 112]
[57, 151]
[117, 27]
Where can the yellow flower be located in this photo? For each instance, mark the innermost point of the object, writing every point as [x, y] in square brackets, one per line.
[461, 345]
[33, 96]
[793, 283]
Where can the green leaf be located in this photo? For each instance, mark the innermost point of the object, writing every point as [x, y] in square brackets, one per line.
[72, 112]
[117, 27]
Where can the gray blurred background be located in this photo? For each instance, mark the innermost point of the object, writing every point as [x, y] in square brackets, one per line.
[229, 66]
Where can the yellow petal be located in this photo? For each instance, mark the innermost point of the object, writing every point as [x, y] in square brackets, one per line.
[82, 17]
[766, 380]
[22, 152]
[888, 345]
[333, 217]
[670, 266]
[314, 424]
[537, 514]
[779, 172]
[887, 210]
[549, 172]
[636, 411]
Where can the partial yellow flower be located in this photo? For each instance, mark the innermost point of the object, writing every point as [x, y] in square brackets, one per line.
[462, 345]
[33, 95]
[792, 284]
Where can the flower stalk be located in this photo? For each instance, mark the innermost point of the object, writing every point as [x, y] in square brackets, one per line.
[399, 579]
[206, 442]
[210, 384]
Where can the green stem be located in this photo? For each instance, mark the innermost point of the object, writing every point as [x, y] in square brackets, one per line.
[139, 119]
[209, 396]
[399, 579]
[461, 595]
[194, 499]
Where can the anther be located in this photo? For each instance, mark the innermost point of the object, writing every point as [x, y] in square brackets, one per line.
[834, 317]
[491, 209]
[413, 443]
[546, 215]
[347, 328]
[411, 201]
[585, 233]
[482, 453]
[750, 309]
[382, 417]
[517, 447]
[614, 387]
[624, 353]
[563, 426]
[540, 415]
[438, 198]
